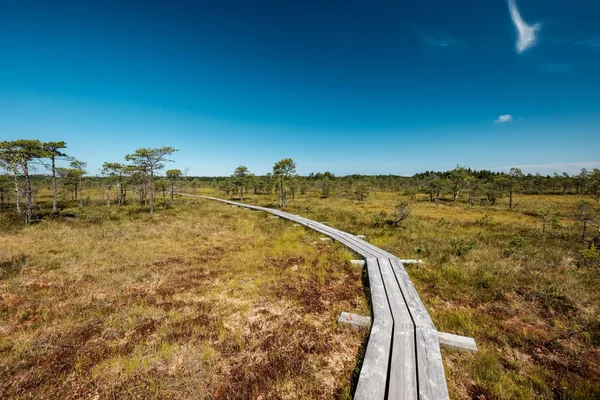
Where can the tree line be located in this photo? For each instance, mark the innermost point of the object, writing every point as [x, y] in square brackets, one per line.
[463, 183]
[138, 178]
[20, 158]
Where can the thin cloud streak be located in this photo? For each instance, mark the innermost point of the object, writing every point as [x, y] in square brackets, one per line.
[594, 43]
[439, 39]
[527, 34]
[504, 119]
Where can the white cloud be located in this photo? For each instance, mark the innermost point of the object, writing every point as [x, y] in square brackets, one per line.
[503, 118]
[527, 33]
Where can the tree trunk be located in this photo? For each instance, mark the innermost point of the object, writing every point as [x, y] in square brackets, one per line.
[29, 203]
[172, 190]
[17, 194]
[108, 196]
[510, 202]
[80, 191]
[53, 183]
[151, 192]
[282, 198]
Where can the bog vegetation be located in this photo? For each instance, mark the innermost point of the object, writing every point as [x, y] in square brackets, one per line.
[99, 297]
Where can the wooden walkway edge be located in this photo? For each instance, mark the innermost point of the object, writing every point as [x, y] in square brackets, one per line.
[403, 358]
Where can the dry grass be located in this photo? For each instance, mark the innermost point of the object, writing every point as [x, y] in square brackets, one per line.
[528, 298]
[204, 301]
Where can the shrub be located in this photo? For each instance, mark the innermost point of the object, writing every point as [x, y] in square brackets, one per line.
[591, 256]
[484, 220]
[515, 244]
[462, 247]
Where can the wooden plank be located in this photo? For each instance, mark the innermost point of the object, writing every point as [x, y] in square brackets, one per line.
[416, 307]
[344, 240]
[403, 365]
[373, 374]
[412, 262]
[456, 342]
[357, 321]
[432, 380]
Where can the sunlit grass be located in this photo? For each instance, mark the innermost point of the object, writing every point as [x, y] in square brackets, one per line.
[526, 296]
[199, 301]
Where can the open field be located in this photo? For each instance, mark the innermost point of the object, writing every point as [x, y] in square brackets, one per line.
[527, 297]
[204, 301]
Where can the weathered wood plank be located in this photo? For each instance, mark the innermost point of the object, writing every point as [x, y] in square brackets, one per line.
[432, 380]
[456, 342]
[403, 365]
[373, 374]
[357, 321]
[416, 307]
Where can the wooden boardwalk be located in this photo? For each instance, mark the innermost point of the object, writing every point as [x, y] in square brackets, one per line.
[403, 358]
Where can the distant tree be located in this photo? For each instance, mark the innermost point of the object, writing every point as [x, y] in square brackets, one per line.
[458, 178]
[162, 185]
[173, 175]
[494, 189]
[582, 180]
[401, 212]
[594, 184]
[304, 185]
[53, 151]
[473, 188]
[585, 213]
[294, 183]
[117, 173]
[325, 187]
[151, 160]
[545, 213]
[361, 190]
[79, 166]
[18, 155]
[227, 186]
[240, 179]
[9, 163]
[434, 186]
[4, 191]
[283, 171]
[513, 183]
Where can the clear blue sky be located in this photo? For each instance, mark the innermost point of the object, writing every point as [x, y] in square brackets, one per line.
[346, 86]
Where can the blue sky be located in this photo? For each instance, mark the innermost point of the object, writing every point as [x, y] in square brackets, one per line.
[351, 87]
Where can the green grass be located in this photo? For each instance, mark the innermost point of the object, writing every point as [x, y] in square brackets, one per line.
[199, 301]
[205, 300]
[530, 299]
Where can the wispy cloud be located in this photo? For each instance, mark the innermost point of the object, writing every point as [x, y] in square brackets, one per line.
[503, 119]
[594, 43]
[555, 68]
[439, 39]
[527, 34]
[548, 168]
